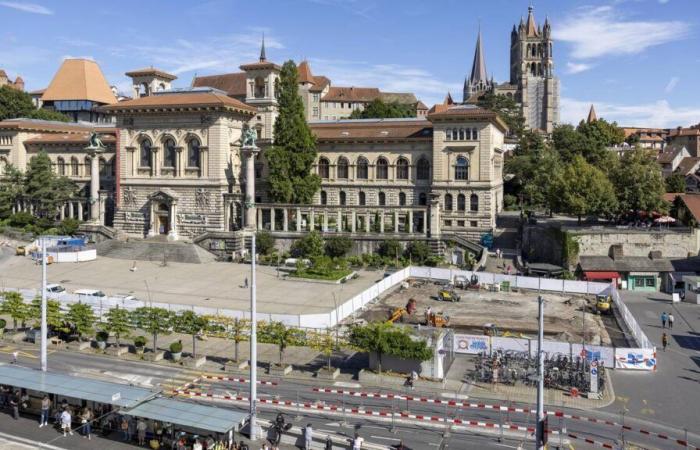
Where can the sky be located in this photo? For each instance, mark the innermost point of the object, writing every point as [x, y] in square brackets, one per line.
[637, 61]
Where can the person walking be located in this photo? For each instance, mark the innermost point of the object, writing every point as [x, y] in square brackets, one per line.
[357, 442]
[86, 421]
[124, 427]
[329, 443]
[664, 341]
[670, 321]
[664, 317]
[15, 355]
[14, 403]
[66, 421]
[141, 431]
[245, 283]
[308, 436]
[45, 405]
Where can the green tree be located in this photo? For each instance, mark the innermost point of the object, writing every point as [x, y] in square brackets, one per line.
[45, 190]
[418, 251]
[264, 242]
[69, 226]
[385, 338]
[189, 322]
[507, 108]
[675, 183]
[590, 140]
[82, 317]
[582, 189]
[292, 156]
[153, 320]
[282, 336]
[13, 305]
[379, 109]
[54, 316]
[308, 246]
[11, 189]
[389, 248]
[15, 103]
[338, 246]
[118, 323]
[638, 182]
[232, 328]
[324, 342]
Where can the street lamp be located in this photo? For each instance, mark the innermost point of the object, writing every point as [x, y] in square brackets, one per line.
[44, 330]
[253, 346]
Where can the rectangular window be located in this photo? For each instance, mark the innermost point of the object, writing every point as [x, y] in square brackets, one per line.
[448, 223]
[315, 111]
[473, 223]
[650, 282]
[460, 223]
[639, 282]
[317, 97]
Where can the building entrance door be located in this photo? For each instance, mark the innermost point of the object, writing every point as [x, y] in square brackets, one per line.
[163, 219]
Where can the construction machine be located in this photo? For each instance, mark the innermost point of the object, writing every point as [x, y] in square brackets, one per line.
[438, 320]
[603, 304]
[399, 313]
[448, 295]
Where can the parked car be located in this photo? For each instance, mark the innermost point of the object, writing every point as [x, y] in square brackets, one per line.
[55, 289]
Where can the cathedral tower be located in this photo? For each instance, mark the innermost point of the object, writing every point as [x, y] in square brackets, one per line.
[478, 82]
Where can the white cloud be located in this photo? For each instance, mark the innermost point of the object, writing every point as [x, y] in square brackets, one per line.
[671, 84]
[603, 31]
[656, 114]
[573, 68]
[28, 7]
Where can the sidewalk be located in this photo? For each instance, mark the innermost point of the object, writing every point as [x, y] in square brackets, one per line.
[671, 394]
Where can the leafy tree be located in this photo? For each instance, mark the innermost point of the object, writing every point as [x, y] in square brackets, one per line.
[118, 323]
[69, 226]
[46, 190]
[379, 109]
[533, 163]
[232, 328]
[282, 336]
[418, 251]
[389, 248]
[13, 305]
[675, 183]
[308, 246]
[507, 108]
[638, 182]
[15, 103]
[589, 140]
[338, 246]
[54, 316]
[189, 322]
[264, 242]
[153, 320]
[11, 189]
[386, 339]
[82, 317]
[582, 189]
[292, 156]
[324, 342]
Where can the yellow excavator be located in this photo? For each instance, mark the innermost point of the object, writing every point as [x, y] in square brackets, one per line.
[603, 304]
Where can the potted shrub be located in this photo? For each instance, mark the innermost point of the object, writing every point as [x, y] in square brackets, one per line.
[139, 345]
[101, 338]
[176, 350]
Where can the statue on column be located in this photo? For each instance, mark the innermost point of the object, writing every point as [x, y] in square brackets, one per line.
[249, 137]
[95, 143]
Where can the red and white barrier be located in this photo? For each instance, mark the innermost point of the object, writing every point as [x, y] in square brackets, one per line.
[237, 380]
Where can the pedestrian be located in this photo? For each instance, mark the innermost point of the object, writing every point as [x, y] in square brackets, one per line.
[308, 436]
[86, 421]
[197, 444]
[357, 442]
[66, 421]
[124, 427]
[14, 403]
[45, 405]
[664, 341]
[664, 317]
[329, 443]
[670, 321]
[245, 282]
[141, 431]
[15, 355]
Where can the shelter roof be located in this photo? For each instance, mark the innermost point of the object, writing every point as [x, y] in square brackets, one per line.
[234, 84]
[625, 264]
[186, 414]
[79, 79]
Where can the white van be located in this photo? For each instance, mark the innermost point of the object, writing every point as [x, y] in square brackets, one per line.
[55, 289]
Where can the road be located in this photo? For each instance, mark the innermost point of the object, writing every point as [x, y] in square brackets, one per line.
[414, 432]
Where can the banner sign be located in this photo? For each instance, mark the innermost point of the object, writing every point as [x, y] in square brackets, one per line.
[635, 358]
[471, 344]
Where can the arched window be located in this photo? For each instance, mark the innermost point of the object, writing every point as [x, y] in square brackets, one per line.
[402, 169]
[448, 134]
[145, 158]
[343, 198]
[259, 88]
[402, 199]
[193, 153]
[382, 199]
[362, 168]
[361, 199]
[61, 166]
[169, 153]
[423, 169]
[323, 168]
[455, 134]
[448, 202]
[342, 168]
[474, 202]
[382, 169]
[461, 134]
[422, 199]
[462, 169]
[324, 198]
[74, 167]
[461, 202]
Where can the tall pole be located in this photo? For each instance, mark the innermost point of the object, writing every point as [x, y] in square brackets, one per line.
[44, 331]
[540, 432]
[253, 345]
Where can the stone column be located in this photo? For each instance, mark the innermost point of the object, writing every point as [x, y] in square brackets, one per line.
[227, 215]
[285, 220]
[339, 220]
[425, 223]
[260, 219]
[80, 210]
[381, 222]
[155, 171]
[367, 228]
[179, 171]
[172, 234]
[71, 212]
[273, 216]
[94, 186]
[298, 219]
[325, 221]
[250, 153]
[435, 214]
[409, 227]
[62, 212]
[396, 221]
[353, 223]
[312, 222]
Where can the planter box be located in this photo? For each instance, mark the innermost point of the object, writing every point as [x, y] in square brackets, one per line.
[233, 366]
[279, 371]
[157, 356]
[79, 345]
[325, 374]
[117, 351]
[193, 363]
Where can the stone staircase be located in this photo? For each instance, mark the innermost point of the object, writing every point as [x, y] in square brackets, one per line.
[155, 250]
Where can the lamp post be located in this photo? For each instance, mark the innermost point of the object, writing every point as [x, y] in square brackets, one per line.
[541, 437]
[44, 330]
[253, 346]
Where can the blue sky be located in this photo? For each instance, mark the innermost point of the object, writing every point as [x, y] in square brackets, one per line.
[636, 60]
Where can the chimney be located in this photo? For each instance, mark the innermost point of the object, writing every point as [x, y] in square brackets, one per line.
[616, 251]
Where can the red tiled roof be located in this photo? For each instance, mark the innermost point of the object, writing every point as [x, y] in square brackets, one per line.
[320, 83]
[69, 138]
[305, 73]
[43, 125]
[374, 129]
[691, 201]
[231, 83]
[668, 156]
[688, 165]
[351, 94]
[190, 99]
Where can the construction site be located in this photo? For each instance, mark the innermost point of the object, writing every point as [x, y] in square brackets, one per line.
[476, 309]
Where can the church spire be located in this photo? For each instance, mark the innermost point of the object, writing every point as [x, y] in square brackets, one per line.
[592, 117]
[531, 25]
[262, 49]
[479, 65]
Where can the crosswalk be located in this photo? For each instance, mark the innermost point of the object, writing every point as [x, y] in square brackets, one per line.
[182, 379]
